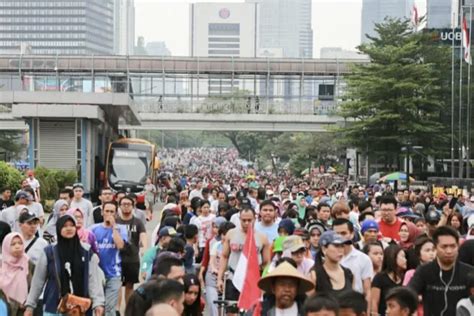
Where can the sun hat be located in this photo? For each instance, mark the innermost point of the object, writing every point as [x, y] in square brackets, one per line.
[285, 270]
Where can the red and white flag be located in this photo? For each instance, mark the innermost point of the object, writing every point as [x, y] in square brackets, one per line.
[247, 273]
[414, 16]
[466, 41]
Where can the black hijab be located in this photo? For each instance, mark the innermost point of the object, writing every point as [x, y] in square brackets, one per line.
[70, 251]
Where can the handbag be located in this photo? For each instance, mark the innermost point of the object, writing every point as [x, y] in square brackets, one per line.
[73, 305]
[70, 304]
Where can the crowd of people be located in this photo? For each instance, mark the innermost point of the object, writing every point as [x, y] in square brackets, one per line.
[320, 250]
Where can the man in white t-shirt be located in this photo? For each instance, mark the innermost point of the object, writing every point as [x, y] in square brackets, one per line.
[34, 245]
[34, 184]
[357, 261]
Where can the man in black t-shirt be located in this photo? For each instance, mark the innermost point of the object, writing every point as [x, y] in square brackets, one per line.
[137, 241]
[6, 198]
[442, 282]
[105, 196]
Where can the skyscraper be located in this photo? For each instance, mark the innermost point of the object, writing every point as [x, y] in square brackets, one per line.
[375, 11]
[124, 27]
[285, 27]
[223, 29]
[57, 27]
[439, 13]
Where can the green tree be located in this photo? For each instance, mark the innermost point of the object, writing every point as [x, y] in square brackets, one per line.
[398, 98]
[10, 144]
[10, 177]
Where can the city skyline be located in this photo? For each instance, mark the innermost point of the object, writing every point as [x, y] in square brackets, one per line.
[335, 23]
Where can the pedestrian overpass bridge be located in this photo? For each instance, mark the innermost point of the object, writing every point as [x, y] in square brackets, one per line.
[72, 106]
[178, 93]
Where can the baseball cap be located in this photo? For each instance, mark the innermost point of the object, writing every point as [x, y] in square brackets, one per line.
[219, 221]
[23, 195]
[269, 192]
[244, 201]
[78, 185]
[26, 217]
[331, 238]
[167, 231]
[369, 224]
[406, 212]
[432, 216]
[293, 243]
[278, 244]
[302, 232]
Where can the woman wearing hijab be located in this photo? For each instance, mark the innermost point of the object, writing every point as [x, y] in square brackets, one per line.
[59, 209]
[14, 273]
[68, 267]
[85, 235]
[408, 234]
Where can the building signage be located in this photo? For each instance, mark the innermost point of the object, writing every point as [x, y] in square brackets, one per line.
[224, 13]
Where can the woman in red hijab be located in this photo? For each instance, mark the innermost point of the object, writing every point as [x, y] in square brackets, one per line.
[408, 233]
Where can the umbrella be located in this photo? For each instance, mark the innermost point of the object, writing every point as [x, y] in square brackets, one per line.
[331, 170]
[373, 178]
[396, 176]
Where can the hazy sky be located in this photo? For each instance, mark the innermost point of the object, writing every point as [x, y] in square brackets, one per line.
[336, 23]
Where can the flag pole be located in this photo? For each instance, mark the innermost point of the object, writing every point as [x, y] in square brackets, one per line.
[461, 60]
[468, 110]
[452, 96]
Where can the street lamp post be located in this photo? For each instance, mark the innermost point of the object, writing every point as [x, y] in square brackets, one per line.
[408, 165]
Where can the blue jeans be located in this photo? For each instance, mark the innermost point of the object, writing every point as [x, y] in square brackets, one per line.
[111, 291]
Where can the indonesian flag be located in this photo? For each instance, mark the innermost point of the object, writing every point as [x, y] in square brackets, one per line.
[466, 41]
[414, 16]
[247, 273]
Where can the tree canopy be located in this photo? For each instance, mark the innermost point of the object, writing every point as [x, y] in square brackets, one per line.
[399, 98]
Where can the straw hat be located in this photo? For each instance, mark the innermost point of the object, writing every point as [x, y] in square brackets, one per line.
[286, 270]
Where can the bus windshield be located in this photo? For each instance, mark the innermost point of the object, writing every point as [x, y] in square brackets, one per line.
[129, 167]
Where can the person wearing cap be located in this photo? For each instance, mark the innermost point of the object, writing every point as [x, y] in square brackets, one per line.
[34, 184]
[85, 205]
[232, 250]
[355, 260]
[286, 227]
[111, 239]
[432, 218]
[295, 248]
[285, 287]
[164, 236]
[33, 206]
[34, 245]
[369, 229]
[10, 215]
[328, 275]
[268, 220]
[277, 253]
